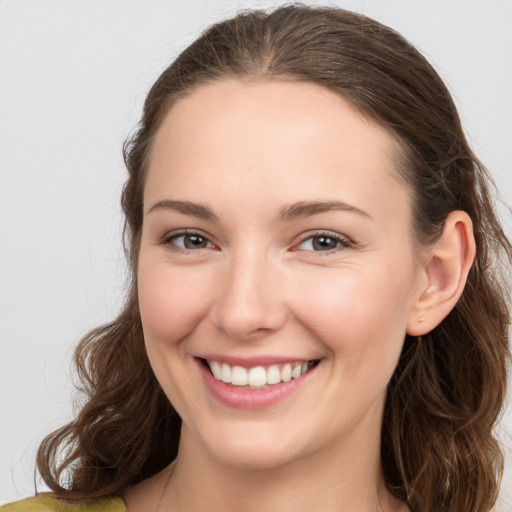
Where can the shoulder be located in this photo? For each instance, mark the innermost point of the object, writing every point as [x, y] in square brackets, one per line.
[49, 503]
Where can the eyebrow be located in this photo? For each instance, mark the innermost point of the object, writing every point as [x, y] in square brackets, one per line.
[186, 207]
[309, 208]
[286, 213]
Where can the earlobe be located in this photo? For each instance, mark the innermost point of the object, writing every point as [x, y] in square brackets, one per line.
[446, 267]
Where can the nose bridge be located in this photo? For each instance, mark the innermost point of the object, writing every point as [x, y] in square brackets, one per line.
[249, 300]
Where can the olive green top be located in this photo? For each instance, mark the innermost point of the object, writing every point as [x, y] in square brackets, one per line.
[48, 503]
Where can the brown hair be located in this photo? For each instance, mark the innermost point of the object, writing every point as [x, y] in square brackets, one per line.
[438, 449]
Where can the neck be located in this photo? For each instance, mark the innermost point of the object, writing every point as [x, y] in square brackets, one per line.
[345, 478]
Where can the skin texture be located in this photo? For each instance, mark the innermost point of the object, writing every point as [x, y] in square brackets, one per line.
[257, 287]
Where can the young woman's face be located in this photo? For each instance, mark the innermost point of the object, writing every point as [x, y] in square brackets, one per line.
[277, 253]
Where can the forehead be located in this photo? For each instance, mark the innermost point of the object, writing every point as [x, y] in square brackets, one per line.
[272, 139]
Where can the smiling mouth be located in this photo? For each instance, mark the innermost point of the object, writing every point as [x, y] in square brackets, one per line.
[258, 377]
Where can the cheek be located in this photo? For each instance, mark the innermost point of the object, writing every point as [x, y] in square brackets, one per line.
[172, 302]
[363, 314]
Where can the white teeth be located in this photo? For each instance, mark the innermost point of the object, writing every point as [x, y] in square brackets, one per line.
[226, 373]
[239, 376]
[216, 370]
[286, 373]
[258, 376]
[273, 374]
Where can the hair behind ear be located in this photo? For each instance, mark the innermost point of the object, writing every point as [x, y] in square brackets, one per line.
[444, 399]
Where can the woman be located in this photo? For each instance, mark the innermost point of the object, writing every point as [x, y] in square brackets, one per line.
[314, 289]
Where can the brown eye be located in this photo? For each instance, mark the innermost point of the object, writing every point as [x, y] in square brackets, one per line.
[194, 241]
[188, 241]
[324, 243]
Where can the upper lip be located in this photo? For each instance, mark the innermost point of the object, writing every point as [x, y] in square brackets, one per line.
[251, 362]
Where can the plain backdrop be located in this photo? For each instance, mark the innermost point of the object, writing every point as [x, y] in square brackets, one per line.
[73, 76]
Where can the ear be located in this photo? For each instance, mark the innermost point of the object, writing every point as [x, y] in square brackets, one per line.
[445, 267]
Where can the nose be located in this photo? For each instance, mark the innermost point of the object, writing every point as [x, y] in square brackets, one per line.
[250, 301]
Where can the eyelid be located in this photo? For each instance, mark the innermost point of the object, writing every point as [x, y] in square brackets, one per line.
[166, 240]
[344, 241]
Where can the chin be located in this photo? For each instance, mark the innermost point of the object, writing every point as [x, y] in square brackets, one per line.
[252, 448]
[247, 458]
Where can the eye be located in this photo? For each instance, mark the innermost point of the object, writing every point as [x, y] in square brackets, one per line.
[187, 241]
[323, 242]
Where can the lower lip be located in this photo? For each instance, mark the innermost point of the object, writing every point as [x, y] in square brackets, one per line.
[244, 398]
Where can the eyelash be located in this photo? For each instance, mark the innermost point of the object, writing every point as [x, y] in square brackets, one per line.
[169, 239]
[342, 242]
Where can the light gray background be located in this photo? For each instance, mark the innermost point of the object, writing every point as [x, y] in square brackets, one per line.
[73, 76]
